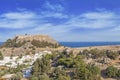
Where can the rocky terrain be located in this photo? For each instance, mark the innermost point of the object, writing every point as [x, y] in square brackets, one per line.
[28, 44]
[36, 51]
[22, 38]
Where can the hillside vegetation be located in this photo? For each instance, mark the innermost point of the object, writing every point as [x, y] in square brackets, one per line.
[41, 41]
[60, 63]
[65, 66]
[27, 44]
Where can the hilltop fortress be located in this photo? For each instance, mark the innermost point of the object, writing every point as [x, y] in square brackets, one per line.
[28, 44]
[35, 37]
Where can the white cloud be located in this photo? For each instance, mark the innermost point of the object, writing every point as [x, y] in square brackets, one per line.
[19, 15]
[17, 20]
[48, 14]
[53, 7]
[95, 20]
[26, 19]
[36, 22]
[100, 15]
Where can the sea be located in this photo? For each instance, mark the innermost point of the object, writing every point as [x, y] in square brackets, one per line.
[1, 43]
[85, 44]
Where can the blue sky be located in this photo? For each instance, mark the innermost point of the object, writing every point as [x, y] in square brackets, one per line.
[64, 20]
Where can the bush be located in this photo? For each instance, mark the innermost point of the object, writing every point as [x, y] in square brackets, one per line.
[97, 53]
[15, 78]
[60, 74]
[86, 72]
[112, 55]
[111, 72]
[43, 44]
[1, 56]
[13, 43]
[41, 66]
[93, 69]
[33, 78]
[44, 77]
[118, 74]
[67, 62]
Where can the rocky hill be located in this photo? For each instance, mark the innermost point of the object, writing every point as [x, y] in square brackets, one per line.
[35, 37]
[27, 44]
[40, 41]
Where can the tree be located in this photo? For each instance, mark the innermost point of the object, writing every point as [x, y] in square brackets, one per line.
[93, 72]
[112, 55]
[33, 78]
[14, 77]
[93, 69]
[44, 77]
[41, 66]
[85, 72]
[36, 70]
[1, 56]
[67, 62]
[78, 61]
[111, 72]
[84, 52]
[80, 73]
[62, 77]
[118, 74]
[80, 68]
[60, 74]
[43, 44]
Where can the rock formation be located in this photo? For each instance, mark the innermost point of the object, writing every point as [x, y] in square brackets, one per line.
[28, 44]
[35, 37]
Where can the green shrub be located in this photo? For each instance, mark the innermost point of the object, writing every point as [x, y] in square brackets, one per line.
[60, 74]
[41, 66]
[43, 44]
[44, 77]
[1, 56]
[112, 55]
[111, 72]
[13, 43]
[67, 62]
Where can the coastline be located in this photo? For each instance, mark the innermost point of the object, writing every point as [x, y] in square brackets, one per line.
[105, 47]
[88, 44]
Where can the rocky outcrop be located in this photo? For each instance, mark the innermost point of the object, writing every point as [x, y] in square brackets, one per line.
[28, 44]
[35, 37]
[40, 41]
